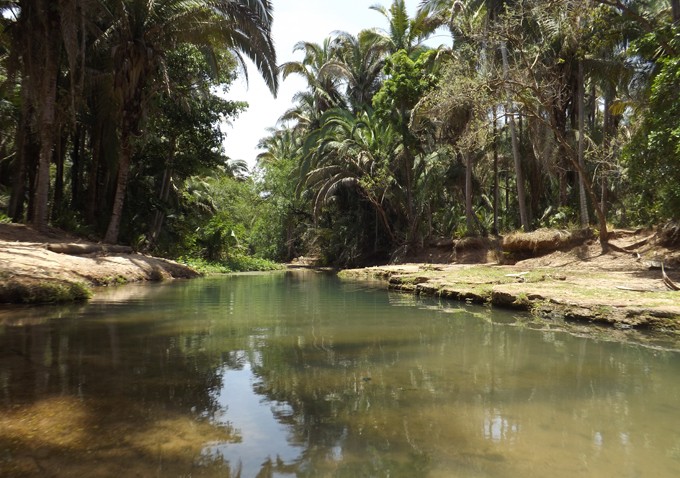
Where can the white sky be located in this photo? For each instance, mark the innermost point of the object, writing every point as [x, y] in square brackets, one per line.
[294, 21]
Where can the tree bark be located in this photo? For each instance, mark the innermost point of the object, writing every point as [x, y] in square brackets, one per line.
[164, 194]
[495, 173]
[113, 229]
[469, 213]
[59, 153]
[17, 198]
[92, 196]
[583, 200]
[510, 112]
[46, 113]
[76, 176]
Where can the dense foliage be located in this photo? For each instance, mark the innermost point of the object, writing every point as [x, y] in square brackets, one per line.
[111, 115]
[536, 113]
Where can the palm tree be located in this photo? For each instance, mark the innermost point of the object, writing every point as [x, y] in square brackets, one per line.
[403, 32]
[358, 62]
[139, 32]
[323, 89]
[353, 153]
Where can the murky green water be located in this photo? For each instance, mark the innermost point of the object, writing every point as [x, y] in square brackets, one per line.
[298, 374]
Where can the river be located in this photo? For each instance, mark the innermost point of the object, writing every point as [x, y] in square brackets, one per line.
[300, 374]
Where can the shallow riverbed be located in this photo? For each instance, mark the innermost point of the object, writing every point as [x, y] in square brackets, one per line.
[299, 374]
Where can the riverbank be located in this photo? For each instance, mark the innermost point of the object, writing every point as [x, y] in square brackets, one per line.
[623, 288]
[52, 266]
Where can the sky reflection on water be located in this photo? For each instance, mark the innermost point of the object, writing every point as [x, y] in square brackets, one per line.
[298, 374]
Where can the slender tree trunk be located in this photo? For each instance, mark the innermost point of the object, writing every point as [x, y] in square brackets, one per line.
[16, 201]
[113, 229]
[164, 194]
[93, 177]
[46, 119]
[573, 158]
[606, 131]
[469, 213]
[59, 152]
[510, 111]
[495, 173]
[76, 154]
[583, 200]
[675, 8]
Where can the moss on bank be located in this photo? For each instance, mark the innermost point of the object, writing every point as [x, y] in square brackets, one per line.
[42, 291]
[582, 296]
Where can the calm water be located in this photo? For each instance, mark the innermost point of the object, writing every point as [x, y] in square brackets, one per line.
[297, 374]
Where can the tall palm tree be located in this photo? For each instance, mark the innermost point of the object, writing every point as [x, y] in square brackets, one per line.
[139, 32]
[403, 32]
[323, 89]
[358, 62]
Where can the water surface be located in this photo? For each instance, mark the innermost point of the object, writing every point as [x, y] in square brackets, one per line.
[298, 374]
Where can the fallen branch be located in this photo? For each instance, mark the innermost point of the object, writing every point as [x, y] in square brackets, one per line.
[636, 289]
[639, 244]
[75, 249]
[666, 280]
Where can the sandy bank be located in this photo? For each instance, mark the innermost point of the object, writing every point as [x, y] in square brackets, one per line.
[30, 270]
[580, 285]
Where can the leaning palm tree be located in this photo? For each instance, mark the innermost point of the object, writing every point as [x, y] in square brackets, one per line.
[139, 32]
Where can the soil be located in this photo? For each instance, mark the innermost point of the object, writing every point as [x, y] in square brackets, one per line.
[26, 260]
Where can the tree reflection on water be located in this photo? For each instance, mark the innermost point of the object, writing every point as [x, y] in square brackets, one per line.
[299, 375]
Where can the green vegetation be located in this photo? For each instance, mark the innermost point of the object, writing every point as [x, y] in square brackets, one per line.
[232, 264]
[540, 114]
[537, 114]
[42, 291]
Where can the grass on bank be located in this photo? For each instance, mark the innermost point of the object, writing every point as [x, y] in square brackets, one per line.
[240, 263]
[36, 291]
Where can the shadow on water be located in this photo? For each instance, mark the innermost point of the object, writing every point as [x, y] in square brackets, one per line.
[298, 374]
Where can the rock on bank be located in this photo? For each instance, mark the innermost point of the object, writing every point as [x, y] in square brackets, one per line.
[609, 291]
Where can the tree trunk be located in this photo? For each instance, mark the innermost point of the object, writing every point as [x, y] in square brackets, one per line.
[93, 177]
[16, 201]
[606, 131]
[469, 213]
[46, 102]
[59, 152]
[510, 111]
[583, 200]
[163, 195]
[675, 8]
[76, 176]
[113, 228]
[573, 158]
[495, 173]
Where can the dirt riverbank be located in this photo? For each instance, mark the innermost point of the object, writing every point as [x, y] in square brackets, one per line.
[565, 279]
[55, 267]
[623, 288]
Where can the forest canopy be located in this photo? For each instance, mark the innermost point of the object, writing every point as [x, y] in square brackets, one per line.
[558, 114]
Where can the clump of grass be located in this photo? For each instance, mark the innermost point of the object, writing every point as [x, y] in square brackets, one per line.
[231, 264]
[544, 240]
[43, 291]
